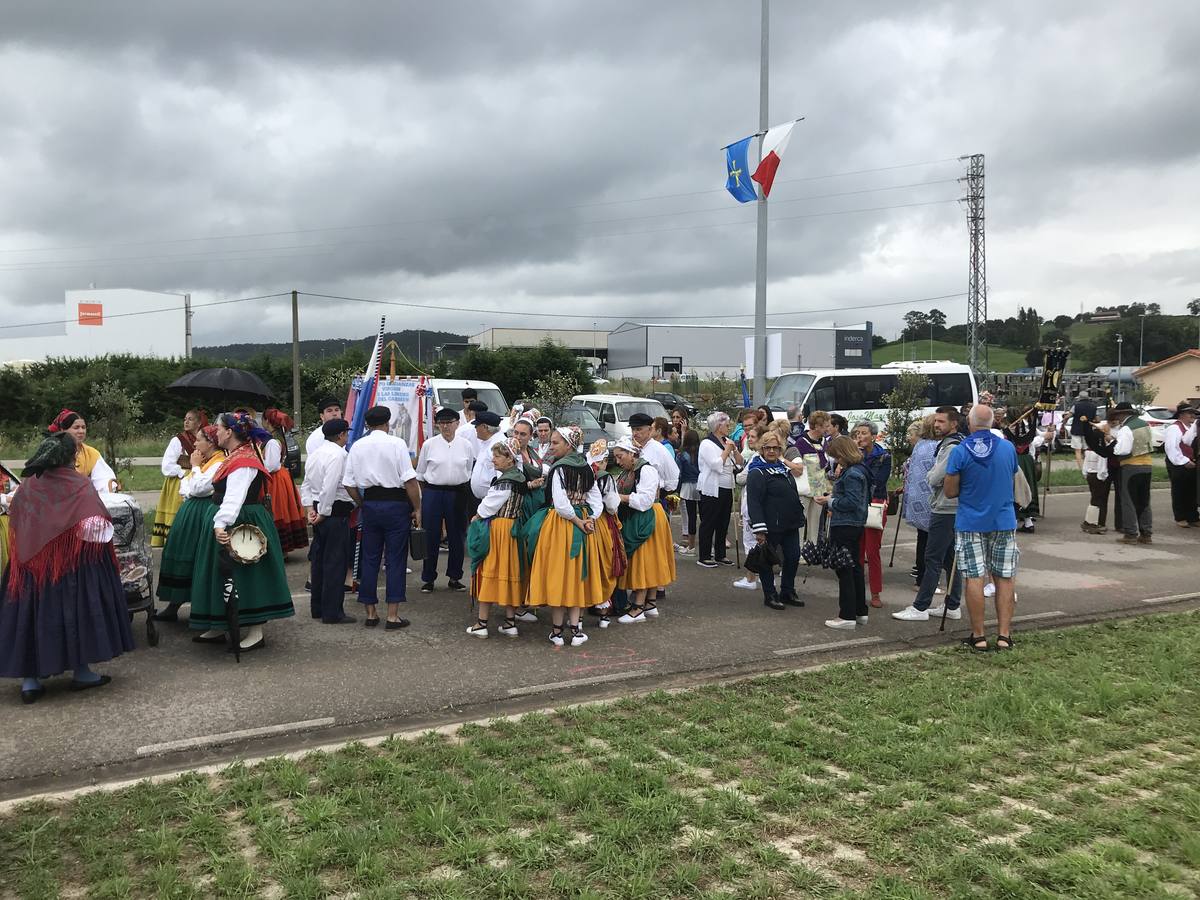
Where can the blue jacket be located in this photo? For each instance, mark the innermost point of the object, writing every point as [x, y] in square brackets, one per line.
[689, 469]
[879, 465]
[851, 496]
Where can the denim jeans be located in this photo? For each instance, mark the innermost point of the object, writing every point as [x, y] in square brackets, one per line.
[939, 557]
[788, 545]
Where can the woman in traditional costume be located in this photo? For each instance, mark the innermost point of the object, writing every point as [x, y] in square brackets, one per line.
[495, 553]
[62, 604]
[531, 463]
[290, 520]
[8, 484]
[646, 532]
[561, 541]
[88, 461]
[610, 549]
[176, 463]
[239, 485]
[192, 524]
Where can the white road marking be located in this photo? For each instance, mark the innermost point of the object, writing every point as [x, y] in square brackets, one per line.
[1053, 614]
[206, 740]
[556, 685]
[1172, 599]
[832, 645]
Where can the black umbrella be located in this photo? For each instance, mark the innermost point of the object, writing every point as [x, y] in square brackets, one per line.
[229, 382]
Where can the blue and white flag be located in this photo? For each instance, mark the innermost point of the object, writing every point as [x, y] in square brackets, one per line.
[363, 390]
[737, 171]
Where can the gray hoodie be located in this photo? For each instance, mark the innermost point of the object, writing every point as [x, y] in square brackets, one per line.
[939, 503]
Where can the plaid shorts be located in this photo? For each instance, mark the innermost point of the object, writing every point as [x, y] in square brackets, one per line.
[982, 551]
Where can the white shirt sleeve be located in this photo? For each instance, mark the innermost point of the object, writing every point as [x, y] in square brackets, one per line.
[612, 497]
[646, 492]
[102, 476]
[1172, 438]
[670, 478]
[495, 499]
[271, 455]
[710, 468]
[1190, 434]
[170, 460]
[95, 530]
[423, 460]
[558, 494]
[482, 472]
[348, 472]
[331, 477]
[315, 440]
[1124, 441]
[199, 483]
[237, 486]
[404, 462]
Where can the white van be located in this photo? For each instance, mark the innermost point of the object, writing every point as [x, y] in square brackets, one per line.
[858, 394]
[448, 392]
[613, 411]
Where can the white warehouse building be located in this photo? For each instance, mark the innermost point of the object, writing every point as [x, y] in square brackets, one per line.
[645, 350]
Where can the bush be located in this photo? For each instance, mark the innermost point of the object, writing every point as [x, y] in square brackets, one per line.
[516, 371]
[902, 404]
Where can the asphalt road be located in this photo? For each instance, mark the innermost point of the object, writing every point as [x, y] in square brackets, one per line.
[181, 703]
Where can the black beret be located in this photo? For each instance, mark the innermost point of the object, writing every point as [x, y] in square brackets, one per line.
[378, 415]
[328, 402]
[639, 419]
[445, 414]
[487, 418]
[477, 405]
[334, 427]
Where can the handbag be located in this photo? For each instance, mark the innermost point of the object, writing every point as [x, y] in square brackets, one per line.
[803, 487]
[416, 544]
[875, 514]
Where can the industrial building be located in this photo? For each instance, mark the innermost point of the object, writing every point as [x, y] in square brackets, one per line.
[102, 322]
[646, 350]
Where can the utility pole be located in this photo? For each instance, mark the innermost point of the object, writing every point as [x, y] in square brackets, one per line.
[977, 349]
[1142, 342]
[296, 357]
[1119, 342]
[187, 326]
[931, 340]
[760, 273]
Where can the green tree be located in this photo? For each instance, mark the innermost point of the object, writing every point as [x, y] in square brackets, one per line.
[937, 320]
[115, 416]
[552, 393]
[1164, 337]
[1193, 307]
[902, 403]
[916, 325]
[1062, 323]
[516, 371]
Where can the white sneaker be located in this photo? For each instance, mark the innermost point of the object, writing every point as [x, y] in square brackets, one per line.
[479, 631]
[605, 621]
[938, 591]
[681, 548]
[578, 637]
[746, 584]
[989, 590]
[861, 620]
[525, 615]
[935, 612]
[841, 624]
[912, 614]
[557, 639]
[627, 619]
[508, 630]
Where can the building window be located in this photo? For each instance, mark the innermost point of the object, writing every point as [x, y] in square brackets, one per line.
[852, 352]
[672, 364]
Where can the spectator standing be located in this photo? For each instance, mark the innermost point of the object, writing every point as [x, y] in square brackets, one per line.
[1083, 416]
[776, 517]
[748, 581]
[718, 459]
[980, 474]
[848, 515]
[1133, 442]
[689, 495]
[922, 437]
[1181, 467]
[878, 463]
[795, 420]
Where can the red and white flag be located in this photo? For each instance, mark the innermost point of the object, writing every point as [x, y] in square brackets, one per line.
[775, 141]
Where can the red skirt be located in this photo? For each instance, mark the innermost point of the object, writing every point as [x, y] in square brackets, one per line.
[290, 520]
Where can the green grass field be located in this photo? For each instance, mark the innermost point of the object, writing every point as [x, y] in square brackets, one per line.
[1069, 767]
[1000, 358]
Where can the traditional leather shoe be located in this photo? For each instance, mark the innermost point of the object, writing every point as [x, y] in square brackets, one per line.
[257, 645]
[371, 623]
[344, 620]
[790, 600]
[773, 603]
[399, 623]
[457, 586]
[33, 696]
[88, 685]
[216, 639]
[170, 614]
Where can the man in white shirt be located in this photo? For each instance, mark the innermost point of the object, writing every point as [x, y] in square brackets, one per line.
[329, 506]
[380, 479]
[1181, 467]
[328, 409]
[469, 395]
[487, 433]
[444, 468]
[655, 452]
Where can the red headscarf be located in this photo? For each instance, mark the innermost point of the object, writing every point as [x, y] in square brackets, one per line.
[278, 418]
[63, 421]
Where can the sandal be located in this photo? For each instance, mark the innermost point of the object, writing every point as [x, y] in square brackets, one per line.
[1008, 644]
[973, 643]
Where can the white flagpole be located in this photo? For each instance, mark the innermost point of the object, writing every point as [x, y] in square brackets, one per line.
[760, 283]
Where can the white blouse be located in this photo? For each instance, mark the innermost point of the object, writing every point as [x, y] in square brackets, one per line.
[493, 501]
[197, 483]
[272, 453]
[608, 490]
[714, 474]
[646, 492]
[102, 476]
[237, 486]
[170, 459]
[563, 505]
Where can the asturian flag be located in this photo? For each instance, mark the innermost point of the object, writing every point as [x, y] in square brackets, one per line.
[363, 390]
[737, 164]
[775, 141]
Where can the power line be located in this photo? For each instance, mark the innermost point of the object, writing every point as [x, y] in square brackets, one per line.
[149, 312]
[391, 224]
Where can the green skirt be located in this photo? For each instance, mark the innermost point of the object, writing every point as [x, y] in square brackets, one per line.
[262, 589]
[193, 523]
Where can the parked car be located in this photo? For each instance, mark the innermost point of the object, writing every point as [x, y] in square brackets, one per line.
[578, 414]
[671, 401]
[613, 410]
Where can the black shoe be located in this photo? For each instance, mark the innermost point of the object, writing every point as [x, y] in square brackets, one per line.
[88, 685]
[725, 562]
[371, 623]
[399, 623]
[201, 639]
[257, 645]
[344, 620]
[456, 586]
[170, 614]
[308, 585]
[706, 563]
[592, 611]
[427, 587]
[773, 603]
[1026, 529]
[33, 696]
[790, 600]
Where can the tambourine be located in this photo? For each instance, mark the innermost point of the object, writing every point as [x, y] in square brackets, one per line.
[247, 544]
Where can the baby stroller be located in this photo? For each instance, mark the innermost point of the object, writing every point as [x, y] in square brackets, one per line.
[134, 561]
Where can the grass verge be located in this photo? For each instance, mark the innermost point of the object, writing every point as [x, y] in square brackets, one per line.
[1070, 767]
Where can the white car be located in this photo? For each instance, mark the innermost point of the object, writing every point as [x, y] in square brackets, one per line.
[613, 411]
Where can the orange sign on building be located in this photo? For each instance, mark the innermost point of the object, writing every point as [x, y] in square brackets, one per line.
[91, 313]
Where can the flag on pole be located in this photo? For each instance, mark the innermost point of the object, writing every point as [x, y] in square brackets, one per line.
[737, 164]
[745, 391]
[775, 141]
[363, 390]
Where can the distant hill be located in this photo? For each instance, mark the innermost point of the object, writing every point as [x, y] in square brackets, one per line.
[408, 341]
[1001, 358]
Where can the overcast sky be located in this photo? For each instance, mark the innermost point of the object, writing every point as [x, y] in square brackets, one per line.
[564, 157]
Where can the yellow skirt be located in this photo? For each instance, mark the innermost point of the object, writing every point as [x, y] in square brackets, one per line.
[652, 564]
[3, 544]
[498, 579]
[604, 553]
[554, 578]
[169, 502]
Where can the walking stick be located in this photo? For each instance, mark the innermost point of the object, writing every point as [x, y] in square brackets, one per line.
[737, 537]
[1049, 463]
[896, 536]
[949, 588]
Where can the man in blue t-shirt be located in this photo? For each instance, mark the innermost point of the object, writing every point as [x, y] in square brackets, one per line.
[980, 474]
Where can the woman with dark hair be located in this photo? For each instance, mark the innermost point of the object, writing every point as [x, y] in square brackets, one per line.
[878, 464]
[88, 461]
[176, 462]
[646, 532]
[848, 515]
[62, 604]
[688, 460]
[290, 520]
[239, 486]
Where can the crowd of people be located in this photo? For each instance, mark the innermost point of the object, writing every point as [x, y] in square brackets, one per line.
[534, 518]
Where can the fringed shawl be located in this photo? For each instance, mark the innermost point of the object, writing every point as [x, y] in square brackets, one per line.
[44, 540]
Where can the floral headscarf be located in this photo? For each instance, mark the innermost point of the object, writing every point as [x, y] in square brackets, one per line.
[243, 427]
[572, 434]
[510, 446]
[210, 434]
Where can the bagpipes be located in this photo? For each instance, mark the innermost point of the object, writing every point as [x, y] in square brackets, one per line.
[1055, 364]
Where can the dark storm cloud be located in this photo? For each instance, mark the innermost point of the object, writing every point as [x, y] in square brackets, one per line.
[466, 154]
